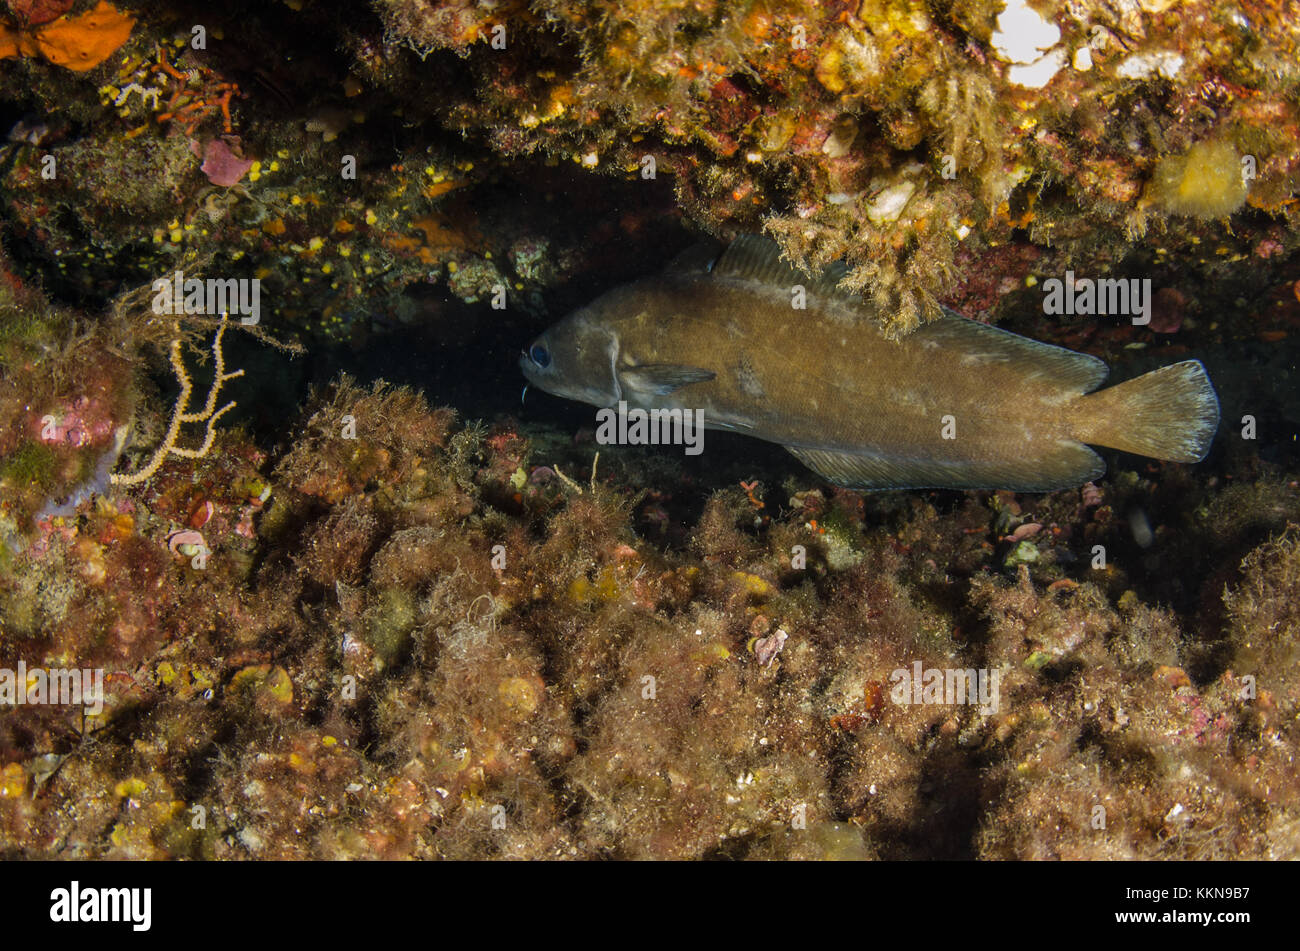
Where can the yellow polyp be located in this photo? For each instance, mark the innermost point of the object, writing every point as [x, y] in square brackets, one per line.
[710, 654]
[605, 588]
[753, 583]
[132, 788]
[265, 679]
[1204, 182]
[521, 695]
[13, 781]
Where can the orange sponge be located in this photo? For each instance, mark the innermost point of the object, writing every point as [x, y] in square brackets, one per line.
[79, 43]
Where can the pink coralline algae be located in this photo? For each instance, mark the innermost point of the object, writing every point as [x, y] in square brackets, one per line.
[220, 163]
[185, 542]
[1268, 248]
[766, 648]
[1167, 311]
[50, 529]
[38, 12]
[1027, 530]
[81, 423]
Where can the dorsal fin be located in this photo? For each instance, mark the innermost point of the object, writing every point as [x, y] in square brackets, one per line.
[756, 257]
[699, 258]
[1072, 372]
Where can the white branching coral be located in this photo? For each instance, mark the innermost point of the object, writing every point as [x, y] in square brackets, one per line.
[181, 413]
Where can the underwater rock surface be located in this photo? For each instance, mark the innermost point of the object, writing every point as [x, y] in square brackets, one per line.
[338, 594]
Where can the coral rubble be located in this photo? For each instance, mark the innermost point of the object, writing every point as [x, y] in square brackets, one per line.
[373, 659]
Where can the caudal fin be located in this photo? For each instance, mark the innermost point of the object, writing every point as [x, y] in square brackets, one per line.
[1171, 413]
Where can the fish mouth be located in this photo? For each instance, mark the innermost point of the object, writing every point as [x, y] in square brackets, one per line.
[536, 377]
[526, 368]
[549, 383]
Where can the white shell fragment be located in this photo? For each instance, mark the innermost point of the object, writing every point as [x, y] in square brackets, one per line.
[1023, 35]
[889, 203]
[1027, 41]
[1164, 63]
[1039, 73]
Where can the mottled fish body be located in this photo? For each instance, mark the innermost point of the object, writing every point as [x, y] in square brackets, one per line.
[956, 404]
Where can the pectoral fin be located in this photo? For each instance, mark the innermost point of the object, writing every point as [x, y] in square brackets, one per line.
[660, 379]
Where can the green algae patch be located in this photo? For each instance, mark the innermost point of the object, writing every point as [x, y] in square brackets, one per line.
[388, 624]
[31, 465]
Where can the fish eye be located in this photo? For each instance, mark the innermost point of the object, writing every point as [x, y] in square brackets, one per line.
[539, 355]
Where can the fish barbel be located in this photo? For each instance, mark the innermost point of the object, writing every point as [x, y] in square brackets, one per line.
[956, 404]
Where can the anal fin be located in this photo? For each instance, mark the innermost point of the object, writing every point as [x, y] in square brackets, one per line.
[1068, 465]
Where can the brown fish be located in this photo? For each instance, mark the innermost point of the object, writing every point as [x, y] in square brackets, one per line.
[956, 404]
